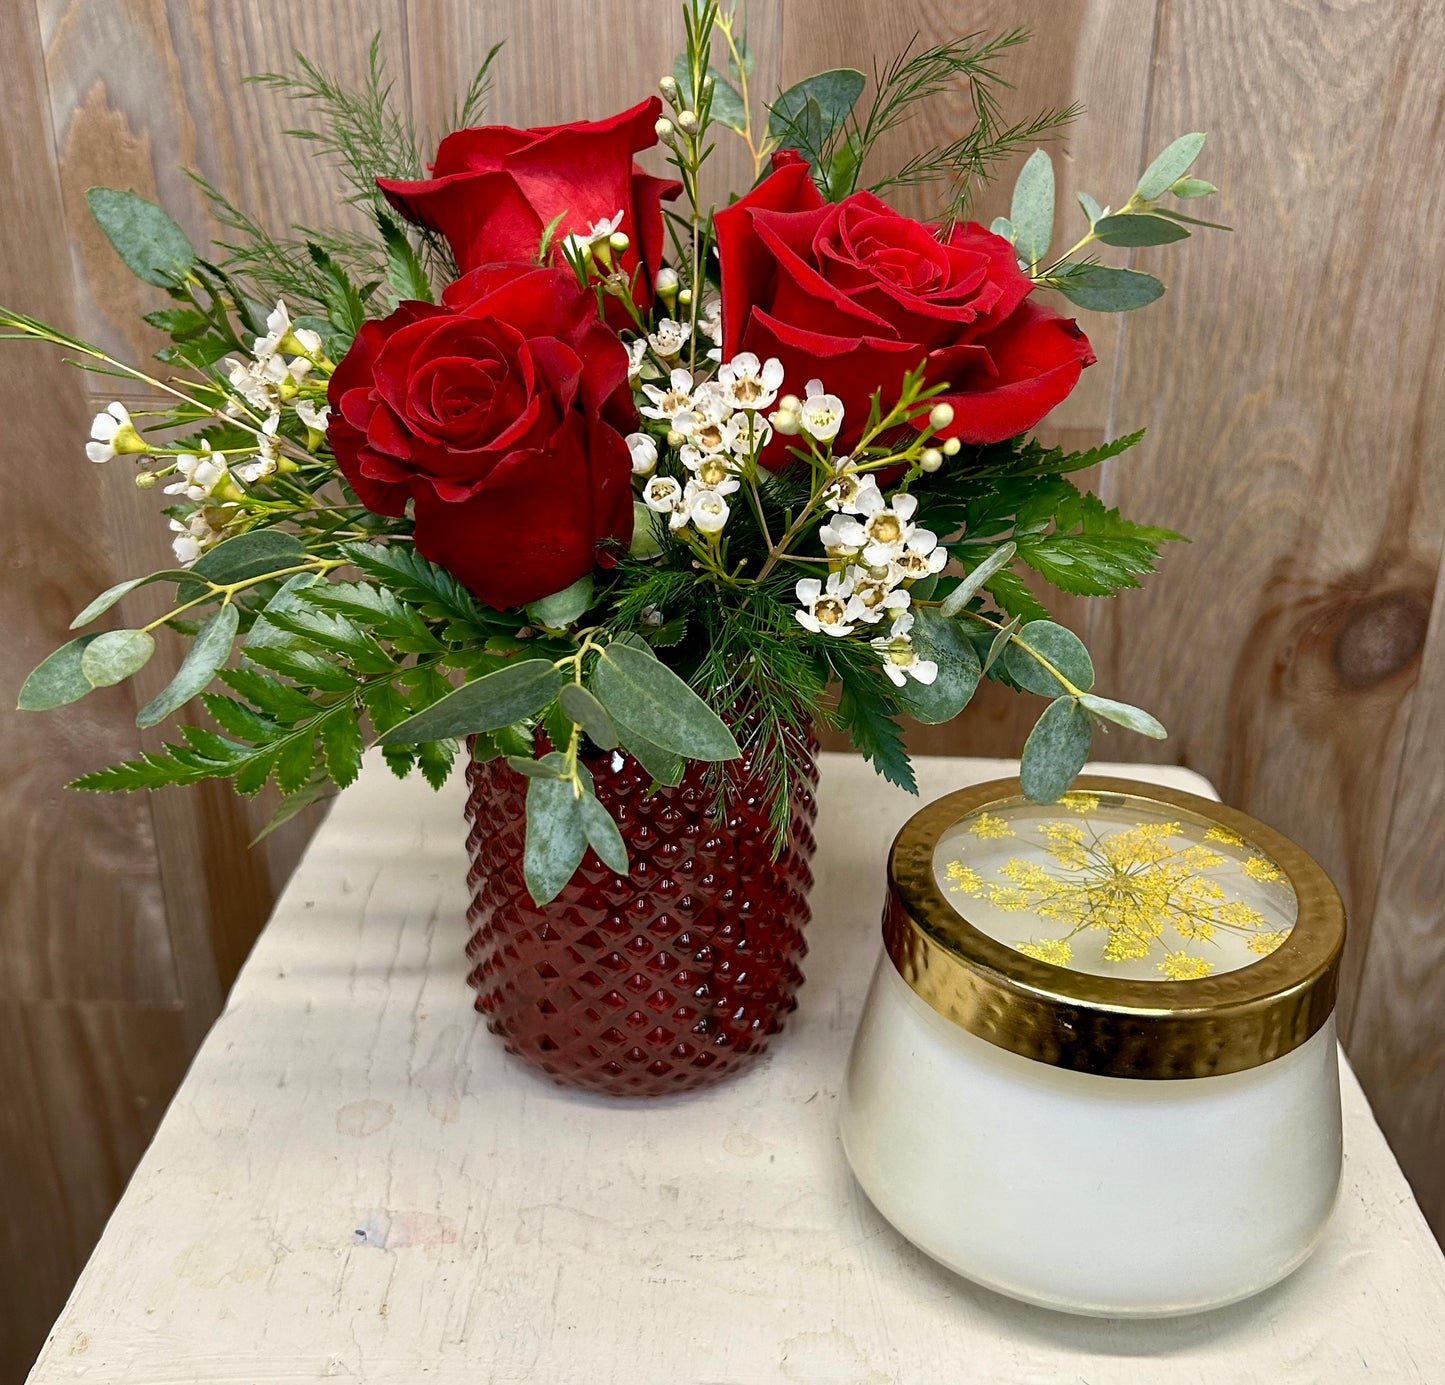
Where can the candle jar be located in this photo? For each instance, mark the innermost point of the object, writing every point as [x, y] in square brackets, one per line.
[1096, 1069]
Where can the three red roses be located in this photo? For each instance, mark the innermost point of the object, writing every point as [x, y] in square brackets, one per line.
[500, 413]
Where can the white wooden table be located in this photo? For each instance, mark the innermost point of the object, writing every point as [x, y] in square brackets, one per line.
[356, 1182]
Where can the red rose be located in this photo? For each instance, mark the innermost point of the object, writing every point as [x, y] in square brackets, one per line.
[500, 414]
[855, 294]
[496, 190]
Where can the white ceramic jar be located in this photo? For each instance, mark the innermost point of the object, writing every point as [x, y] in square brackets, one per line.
[1096, 1069]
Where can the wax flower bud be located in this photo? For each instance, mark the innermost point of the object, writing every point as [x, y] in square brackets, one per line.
[144, 480]
[940, 416]
[664, 130]
[952, 447]
[618, 240]
[930, 459]
[668, 87]
[666, 283]
[687, 122]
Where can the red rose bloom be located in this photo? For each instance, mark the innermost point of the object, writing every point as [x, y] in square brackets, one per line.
[500, 414]
[855, 294]
[496, 189]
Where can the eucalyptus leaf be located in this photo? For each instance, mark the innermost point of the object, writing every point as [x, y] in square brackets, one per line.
[645, 541]
[535, 769]
[602, 834]
[808, 114]
[1092, 210]
[486, 704]
[57, 680]
[662, 765]
[940, 639]
[1105, 289]
[1060, 647]
[144, 235]
[208, 652]
[1002, 226]
[588, 713]
[1169, 166]
[1032, 212]
[556, 838]
[1138, 228]
[1056, 750]
[247, 556]
[1000, 643]
[645, 695]
[1192, 187]
[966, 590]
[559, 610]
[112, 657]
[1123, 714]
[111, 595]
[727, 103]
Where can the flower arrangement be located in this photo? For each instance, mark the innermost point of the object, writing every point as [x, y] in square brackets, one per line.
[562, 459]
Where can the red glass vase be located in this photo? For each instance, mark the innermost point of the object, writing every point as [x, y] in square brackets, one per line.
[656, 982]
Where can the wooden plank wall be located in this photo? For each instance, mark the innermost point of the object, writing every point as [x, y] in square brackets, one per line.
[1289, 379]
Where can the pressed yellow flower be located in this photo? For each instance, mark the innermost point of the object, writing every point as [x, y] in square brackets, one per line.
[962, 877]
[1224, 836]
[1080, 802]
[1257, 868]
[1133, 883]
[989, 827]
[1265, 943]
[1054, 950]
[1180, 966]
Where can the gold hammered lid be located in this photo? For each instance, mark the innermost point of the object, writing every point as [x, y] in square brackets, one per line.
[1128, 930]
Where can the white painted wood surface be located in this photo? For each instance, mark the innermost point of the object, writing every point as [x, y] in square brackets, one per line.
[356, 1182]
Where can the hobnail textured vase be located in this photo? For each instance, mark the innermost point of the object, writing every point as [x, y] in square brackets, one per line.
[656, 982]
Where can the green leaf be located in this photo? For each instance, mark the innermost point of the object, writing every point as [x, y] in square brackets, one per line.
[1122, 714]
[57, 680]
[316, 791]
[644, 694]
[602, 835]
[248, 555]
[584, 709]
[556, 837]
[1013, 596]
[662, 765]
[1138, 228]
[153, 247]
[965, 591]
[114, 656]
[843, 166]
[264, 634]
[209, 650]
[1170, 166]
[1060, 647]
[559, 610]
[345, 303]
[1002, 226]
[111, 595]
[1056, 750]
[1092, 550]
[938, 638]
[1191, 220]
[519, 690]
[295, 763]
[536, 769]
[1000, 643]
[1191, 187]
[404, 270]
[809, 113]
[341, 746]
[1105, 289]
[727, 103]
[876, 735]
[1092, 210]
[1032, 213]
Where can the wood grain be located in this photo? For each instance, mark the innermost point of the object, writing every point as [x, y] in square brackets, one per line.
[1302, 452]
